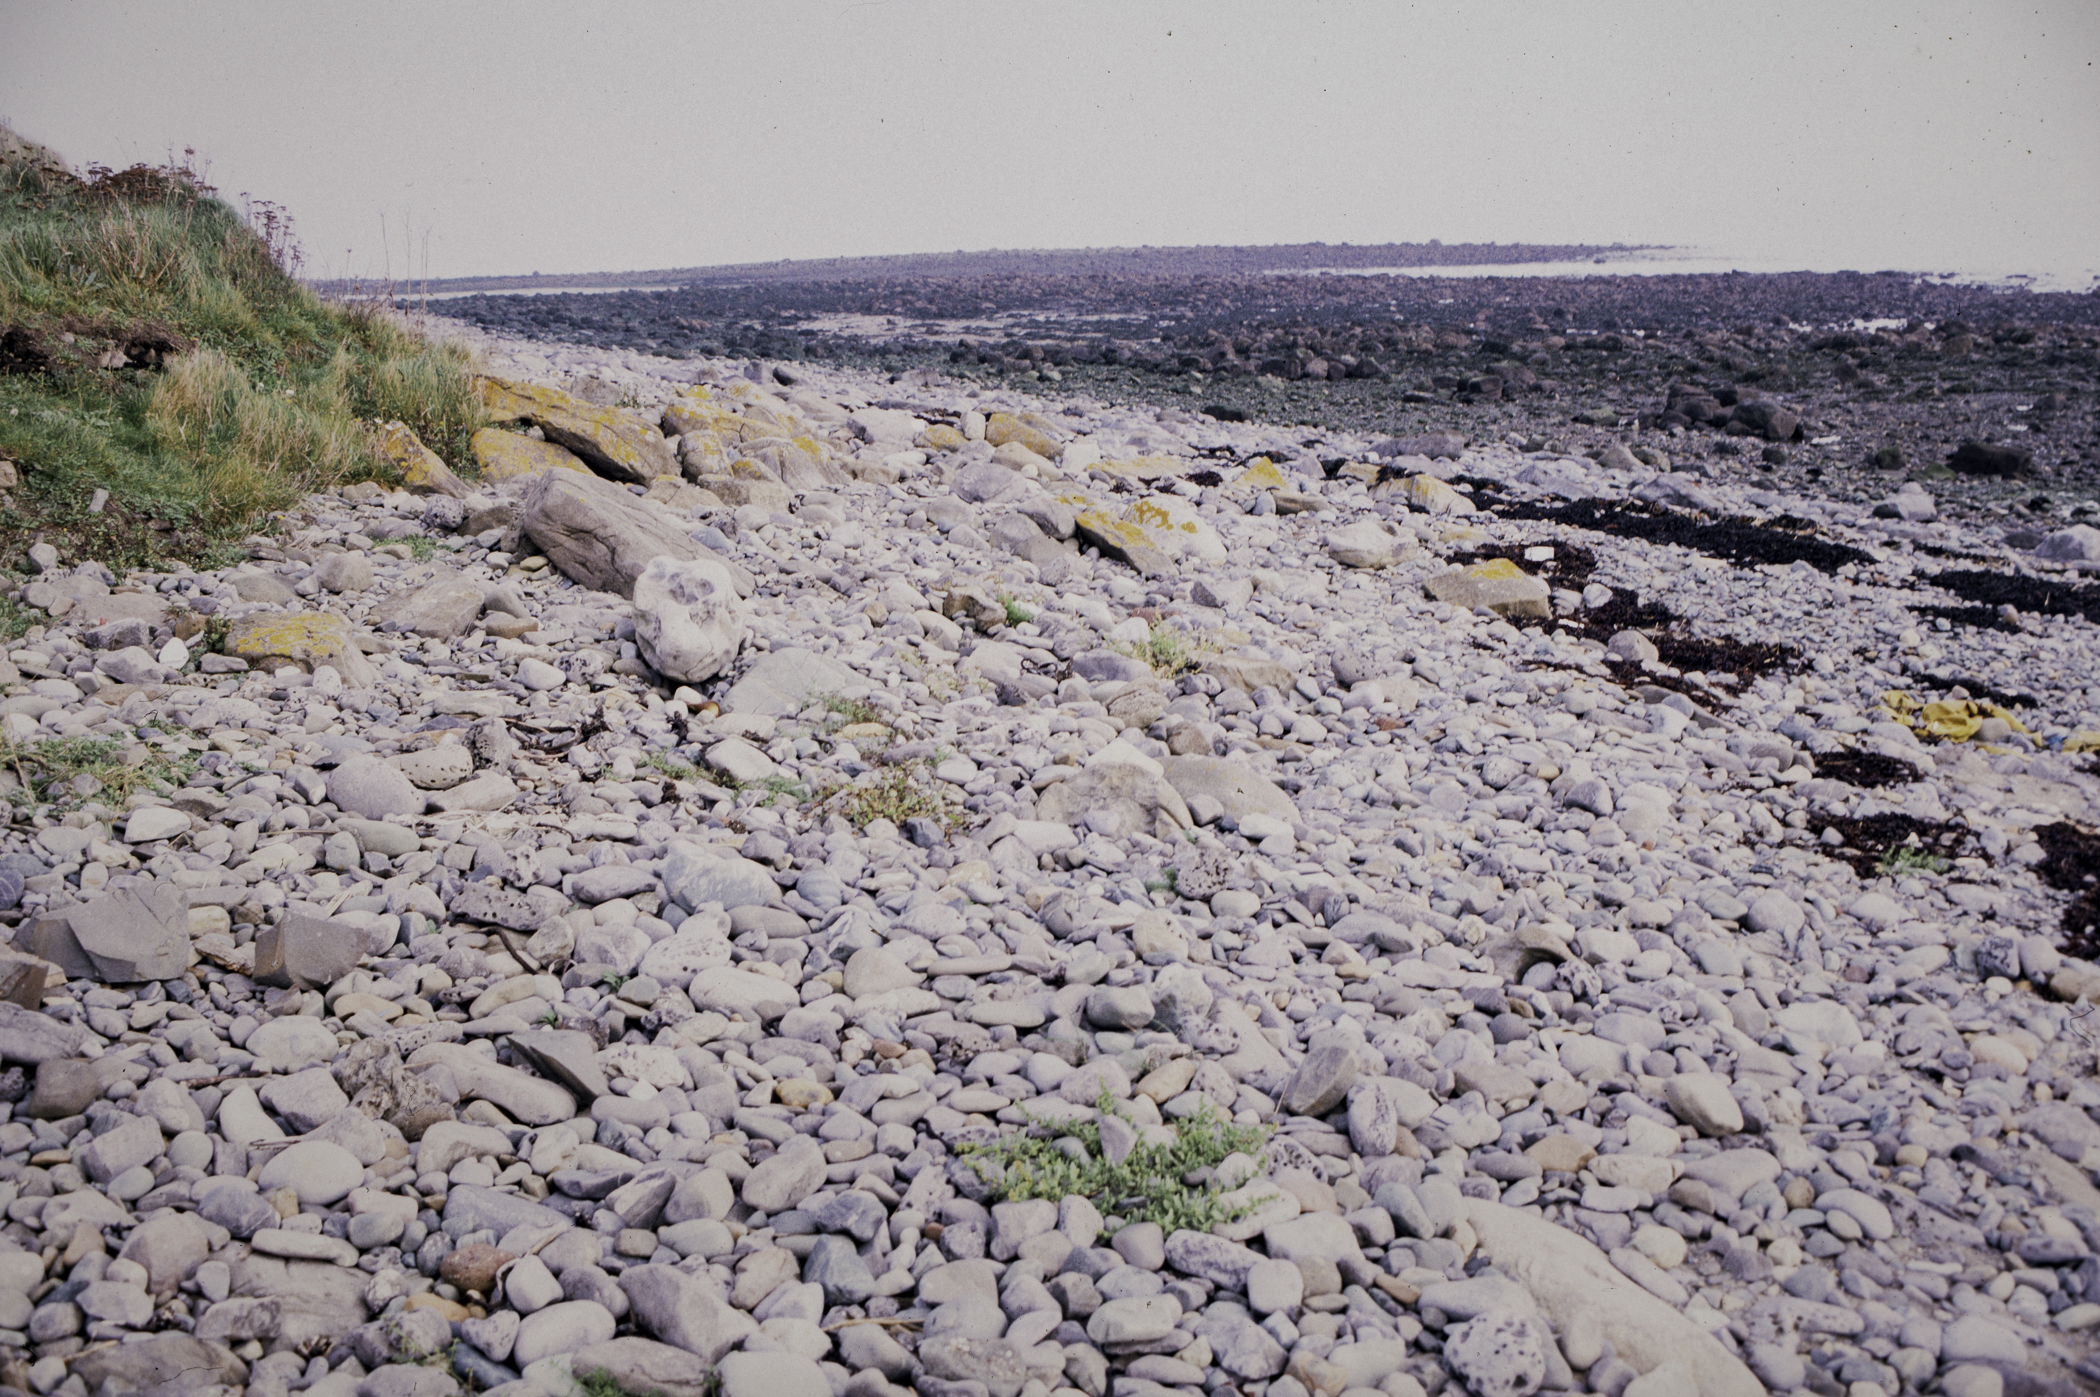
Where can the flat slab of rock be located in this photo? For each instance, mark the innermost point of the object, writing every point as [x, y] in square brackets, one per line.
[597, 533]
[1574, 1283]
[780, 683]
[615, 442]
[512, 456]
[1497, 584]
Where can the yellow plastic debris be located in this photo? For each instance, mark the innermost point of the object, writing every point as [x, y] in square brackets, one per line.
[1954, 720]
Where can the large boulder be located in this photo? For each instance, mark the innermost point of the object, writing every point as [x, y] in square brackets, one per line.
[422, 471]
[600, 535]
[615, 442]
[1122, 798]
[688, 623]
[160, 1365]
[443, 608]
[1574, 1283]
[269, 640]
[2078, 544]
[780, 682]
[505, 456]
[1125, 540]
[123, 938]
[1370, 543]
[1497, 584]
[1238, 791]
[683, 1311]
[30, 1038]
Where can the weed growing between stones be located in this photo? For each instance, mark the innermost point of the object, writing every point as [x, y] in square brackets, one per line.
[15, 618]
[849, 710]
[1149, 1185]
[65, 771]
[1168, 650]
[672, 767]
[897, 794]
[1016, 613]
[1908, 858]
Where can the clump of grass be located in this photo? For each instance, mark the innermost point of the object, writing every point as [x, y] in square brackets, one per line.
[849, 710]
[69, 771]
[600, 1383]
[897, 794]
[1016, 613]
[1148, 1186]
[15, 618]
[421, 549]
[159, 346]
[1169, 650]
[672, 766]
[779, 788]
[1909, 858]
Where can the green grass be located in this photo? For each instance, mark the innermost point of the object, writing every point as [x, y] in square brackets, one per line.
[110, 780]
[15, 618]
[600, 1383]
[672, 766]
[1015, 612]
[243, 390]
[1908, 858]
[1168, 650]
[422, 550]
[849, 710]
[897, 794]
[1147, 1186]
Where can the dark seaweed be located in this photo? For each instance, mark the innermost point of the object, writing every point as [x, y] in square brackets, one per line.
[1867, 770]
[1870, 839]
[1679, 648]
[2041, 595]
[2072, 865]
[1739, 540]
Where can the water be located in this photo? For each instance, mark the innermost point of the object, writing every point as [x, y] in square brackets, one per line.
[1700, 262]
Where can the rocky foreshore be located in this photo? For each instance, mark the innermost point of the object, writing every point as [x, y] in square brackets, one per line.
[795, 883]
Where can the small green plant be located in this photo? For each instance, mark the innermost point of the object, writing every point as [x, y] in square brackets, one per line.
[14, 617]
[897, 794]
[87, 768]
[849, 710]
[1167, 882]
[671, 766]
[599, 1383]
[611, 980]
[1909, 858]
[1147, 1186]
[783, 787]
[1015, 612]
[1168, 650]
[422, 549]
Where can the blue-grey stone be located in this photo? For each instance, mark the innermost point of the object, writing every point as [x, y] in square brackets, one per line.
[836, 1265]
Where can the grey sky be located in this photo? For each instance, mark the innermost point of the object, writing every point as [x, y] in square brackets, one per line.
[559, 138]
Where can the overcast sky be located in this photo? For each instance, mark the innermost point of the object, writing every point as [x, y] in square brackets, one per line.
[559, 137]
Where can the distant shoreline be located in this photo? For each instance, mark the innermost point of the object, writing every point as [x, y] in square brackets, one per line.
[1130, 261]
[1453, 260]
